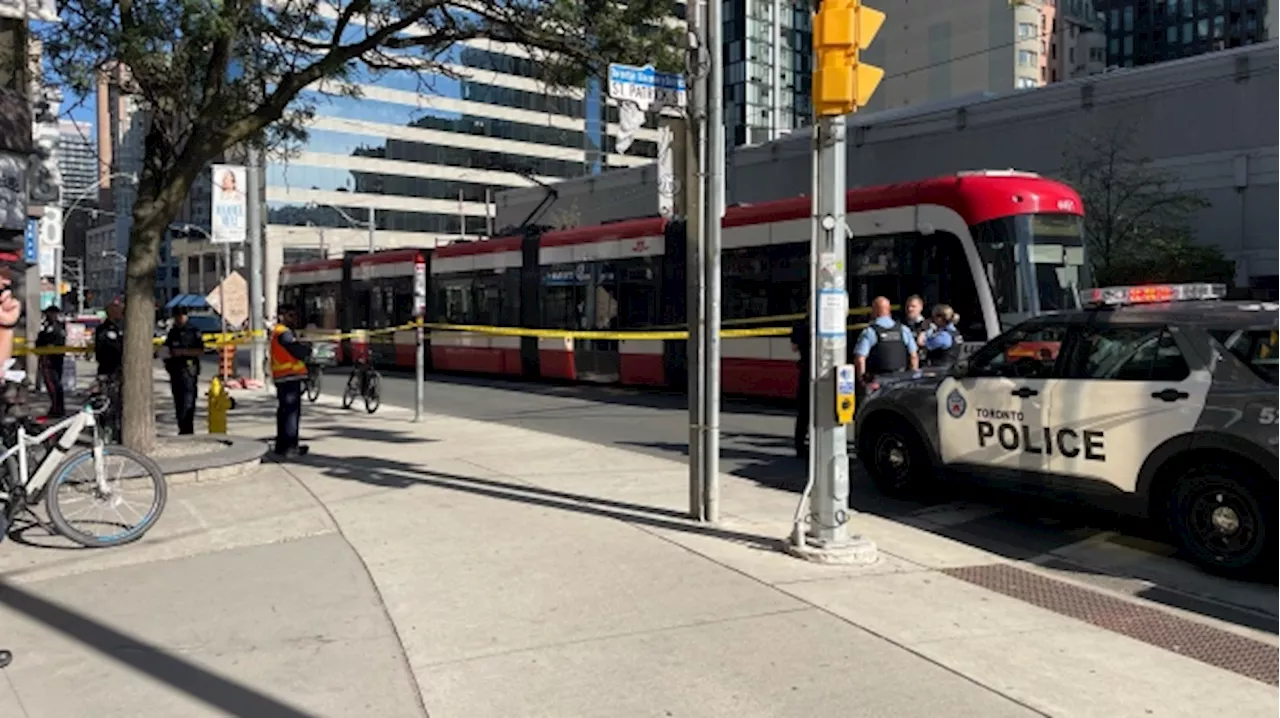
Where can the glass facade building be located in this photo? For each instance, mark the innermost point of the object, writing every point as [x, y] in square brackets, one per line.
[1141, 32]
[768, 61]
[427, 153]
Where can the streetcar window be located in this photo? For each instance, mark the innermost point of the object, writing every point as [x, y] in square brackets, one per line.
[453, 300]
[637, 292]
[563, 288]
[1053, 247]
[487, 293]
[744, 283]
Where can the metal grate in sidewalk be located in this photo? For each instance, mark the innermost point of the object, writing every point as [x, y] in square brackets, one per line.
[1204, 643]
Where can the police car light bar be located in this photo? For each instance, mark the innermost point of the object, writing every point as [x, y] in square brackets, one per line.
[1151, 294]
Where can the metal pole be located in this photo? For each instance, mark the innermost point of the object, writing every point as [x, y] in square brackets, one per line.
[257, 269]
[694, 187]
[222, 309]
[714, 210]
[829, 500]
[420, 373]
[57, 277]
[373, 228]
[775, 83]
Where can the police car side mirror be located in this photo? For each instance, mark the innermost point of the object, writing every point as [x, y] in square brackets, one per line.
[959, 369]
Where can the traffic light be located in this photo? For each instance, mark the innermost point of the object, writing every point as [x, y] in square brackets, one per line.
[841, 83]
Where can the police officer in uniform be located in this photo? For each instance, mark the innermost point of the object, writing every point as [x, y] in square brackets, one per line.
[288, 370]
[800, 345]
[914, 317]
[885, 346]
[108, 342]
[186, 346]
[942, 341]
[53, 333]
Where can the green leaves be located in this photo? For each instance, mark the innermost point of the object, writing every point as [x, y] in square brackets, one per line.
[217, 73]
[1137, 216]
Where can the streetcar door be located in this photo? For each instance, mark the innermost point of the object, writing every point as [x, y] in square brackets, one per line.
[597, 360]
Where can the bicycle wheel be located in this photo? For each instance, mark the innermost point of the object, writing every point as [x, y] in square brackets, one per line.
[352, 391]
[313, 383]
[373, 392]
[74, 478]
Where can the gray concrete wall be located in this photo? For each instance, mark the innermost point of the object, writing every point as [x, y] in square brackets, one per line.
[1211, 119]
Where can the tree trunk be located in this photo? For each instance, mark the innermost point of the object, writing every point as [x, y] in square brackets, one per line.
[139, 417]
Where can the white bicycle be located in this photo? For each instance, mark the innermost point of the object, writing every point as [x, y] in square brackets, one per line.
[62, 475]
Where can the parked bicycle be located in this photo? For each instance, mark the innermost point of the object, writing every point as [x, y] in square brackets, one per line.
[109, 422]
[323, 354]
[62, 474]
[365, 381]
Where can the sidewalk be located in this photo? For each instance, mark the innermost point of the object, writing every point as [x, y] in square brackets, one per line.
[519, 574]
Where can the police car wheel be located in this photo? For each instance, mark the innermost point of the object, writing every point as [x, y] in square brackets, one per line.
[1221, 522]
[894, 458]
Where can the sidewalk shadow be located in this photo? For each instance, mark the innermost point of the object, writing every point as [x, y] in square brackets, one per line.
[388, 473]
[185, 676]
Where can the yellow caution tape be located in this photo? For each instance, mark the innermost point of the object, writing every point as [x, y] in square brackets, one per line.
[661, 333]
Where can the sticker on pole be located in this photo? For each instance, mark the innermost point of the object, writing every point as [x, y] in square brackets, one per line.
[833, 308]
[844, 379]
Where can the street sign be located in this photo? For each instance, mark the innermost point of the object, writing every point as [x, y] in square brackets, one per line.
[646, 86]
[419, 289]
[236, 291]
[31, 244]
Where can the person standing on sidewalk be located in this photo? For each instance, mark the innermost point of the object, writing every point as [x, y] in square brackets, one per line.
[53, 335]
[108, 341]
[288, 370]
[800, 345]
[186, 346]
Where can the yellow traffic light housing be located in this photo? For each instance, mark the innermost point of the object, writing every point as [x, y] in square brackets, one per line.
[841, 82]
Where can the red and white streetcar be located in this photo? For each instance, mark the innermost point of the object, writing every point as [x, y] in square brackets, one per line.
[996, 246]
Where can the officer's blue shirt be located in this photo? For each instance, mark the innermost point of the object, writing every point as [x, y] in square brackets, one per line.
[868, 339]
[939, 338]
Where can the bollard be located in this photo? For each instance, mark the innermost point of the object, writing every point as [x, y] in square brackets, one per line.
[219, 404]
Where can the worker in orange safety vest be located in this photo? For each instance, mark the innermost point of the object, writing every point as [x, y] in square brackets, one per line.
[288, 371]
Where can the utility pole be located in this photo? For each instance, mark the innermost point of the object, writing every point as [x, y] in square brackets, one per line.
[253, 217]
[714, 212]
[373, 228]
[841, 84]
[695, 272]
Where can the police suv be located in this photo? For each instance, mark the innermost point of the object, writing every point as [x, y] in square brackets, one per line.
[1158, 400]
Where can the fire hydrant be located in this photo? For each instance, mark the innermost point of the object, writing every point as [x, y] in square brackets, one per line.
[220, 402]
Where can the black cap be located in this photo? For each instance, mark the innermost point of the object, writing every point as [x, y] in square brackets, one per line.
[180, 311]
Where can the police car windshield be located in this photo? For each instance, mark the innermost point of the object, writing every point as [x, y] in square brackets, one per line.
[1034, 263]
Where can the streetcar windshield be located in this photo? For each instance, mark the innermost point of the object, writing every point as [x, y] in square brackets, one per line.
[1034, 263]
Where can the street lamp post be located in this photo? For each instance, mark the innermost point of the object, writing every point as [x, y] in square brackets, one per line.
[222, 292]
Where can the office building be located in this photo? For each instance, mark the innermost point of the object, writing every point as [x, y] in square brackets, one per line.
[423, 155]
[78, 163]
[1141, 32]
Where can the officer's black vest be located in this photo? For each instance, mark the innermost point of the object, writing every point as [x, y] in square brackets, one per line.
[949, 355]
[889, 353]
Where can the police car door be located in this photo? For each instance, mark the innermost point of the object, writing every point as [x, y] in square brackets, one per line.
[992, 416]
[1126, 389]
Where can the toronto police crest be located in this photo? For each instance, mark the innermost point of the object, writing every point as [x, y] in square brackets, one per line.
[956, 404]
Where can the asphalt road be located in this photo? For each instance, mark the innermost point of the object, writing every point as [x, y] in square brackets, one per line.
[1117, 553]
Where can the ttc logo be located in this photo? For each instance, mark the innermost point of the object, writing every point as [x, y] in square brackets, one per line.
[956, 404]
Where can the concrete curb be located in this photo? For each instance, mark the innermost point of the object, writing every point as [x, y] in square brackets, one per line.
[238, 457]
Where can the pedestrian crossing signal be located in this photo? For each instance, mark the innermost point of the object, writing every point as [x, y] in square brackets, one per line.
[841, 81]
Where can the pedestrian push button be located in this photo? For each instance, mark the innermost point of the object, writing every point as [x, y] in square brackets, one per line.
[845, 402]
